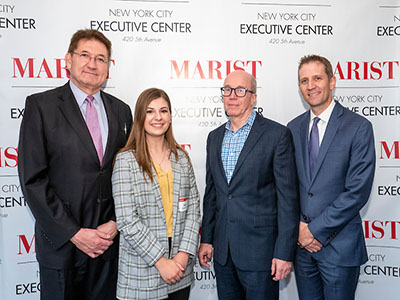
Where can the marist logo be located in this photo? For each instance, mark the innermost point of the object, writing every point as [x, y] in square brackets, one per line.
[212, 69]
[8, 157]
[26, 245]
[367, 70]
[381, 229]
[390, 151]
[42, 68]
[186, 147]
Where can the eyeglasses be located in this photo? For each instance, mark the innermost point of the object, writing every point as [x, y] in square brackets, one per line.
[86, 57]
[239, 92]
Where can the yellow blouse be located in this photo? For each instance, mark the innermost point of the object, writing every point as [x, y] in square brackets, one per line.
[166, 190]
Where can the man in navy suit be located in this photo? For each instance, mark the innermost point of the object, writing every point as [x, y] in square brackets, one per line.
[335, 157]
[250, 207]
[69, 137]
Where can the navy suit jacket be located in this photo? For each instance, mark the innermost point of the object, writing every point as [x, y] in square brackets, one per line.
[331, 200]
[257, 213]
[60, 173]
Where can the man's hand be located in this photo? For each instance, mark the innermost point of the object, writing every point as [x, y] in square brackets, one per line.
[280, 269]
[170, 270]
[109, 228]
[306, 239]
[91, 241]
[205, 254]
[182, 258]
[315, 246]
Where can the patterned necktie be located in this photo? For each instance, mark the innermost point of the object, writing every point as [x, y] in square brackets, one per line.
[92, 123]
[313, 145]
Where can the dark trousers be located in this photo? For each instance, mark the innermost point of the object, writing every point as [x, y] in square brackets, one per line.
[236, 284]
[94, 280]
[182, 294]
[320, 280]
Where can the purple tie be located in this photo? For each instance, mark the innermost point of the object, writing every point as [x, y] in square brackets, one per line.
[313, 145]
[92, 123]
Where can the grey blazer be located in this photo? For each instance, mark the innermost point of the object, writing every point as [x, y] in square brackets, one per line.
[141, 222]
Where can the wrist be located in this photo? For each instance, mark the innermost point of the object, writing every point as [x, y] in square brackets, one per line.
[160, 262]
[183, 254]
[74, 238]
[308, 243]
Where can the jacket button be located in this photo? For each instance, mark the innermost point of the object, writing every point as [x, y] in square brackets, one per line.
[230, 197]
[305, 217]
[310, 195]
[98, 200]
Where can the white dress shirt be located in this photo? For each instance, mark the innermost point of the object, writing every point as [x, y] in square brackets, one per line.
[324, 118]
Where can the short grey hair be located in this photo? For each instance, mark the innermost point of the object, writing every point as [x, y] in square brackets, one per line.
[253, 83]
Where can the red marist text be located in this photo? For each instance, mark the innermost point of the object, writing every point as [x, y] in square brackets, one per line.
[186, 147]
[26, 246]
[378, 229]
[212, 69]
[8, 157]
[390, 151]
[33, 68]
[41, 68]
[374, 70]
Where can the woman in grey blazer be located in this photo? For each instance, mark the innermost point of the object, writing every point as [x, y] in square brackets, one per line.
[157, 206]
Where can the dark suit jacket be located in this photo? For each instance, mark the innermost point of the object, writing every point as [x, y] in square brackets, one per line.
[62, 179]
[332, 199]
[257, 213]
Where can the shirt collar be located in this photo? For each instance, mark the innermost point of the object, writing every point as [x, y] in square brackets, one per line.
[249, 122]
[326, 114]
[80, 95]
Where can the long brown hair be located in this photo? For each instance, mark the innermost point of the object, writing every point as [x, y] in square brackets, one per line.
[137, 138]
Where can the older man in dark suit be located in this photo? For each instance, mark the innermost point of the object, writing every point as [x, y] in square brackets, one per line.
[250, 208]
[69, 137]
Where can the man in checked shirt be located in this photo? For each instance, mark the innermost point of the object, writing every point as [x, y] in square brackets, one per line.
[250, 207]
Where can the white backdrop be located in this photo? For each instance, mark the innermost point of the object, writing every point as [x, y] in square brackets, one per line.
[187, 47]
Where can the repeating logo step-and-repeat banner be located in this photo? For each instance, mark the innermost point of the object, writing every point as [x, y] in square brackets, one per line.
[187, 47]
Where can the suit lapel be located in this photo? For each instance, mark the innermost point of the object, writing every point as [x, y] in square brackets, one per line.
[220, 139]
[73, 114]
[330, 132]
[112, 119]
[254, 135]
[176, 171]
[304, 126]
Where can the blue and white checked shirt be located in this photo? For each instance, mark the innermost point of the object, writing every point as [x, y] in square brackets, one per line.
[233, 143]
